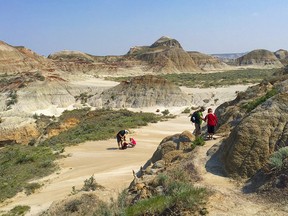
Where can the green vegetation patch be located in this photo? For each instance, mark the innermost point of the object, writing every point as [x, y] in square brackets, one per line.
[253, 104]
[178, 194]
[199, 141]
[278, 158]
[217, 79]
[19, 210]
[98, 125]
[233, 77]
[20, 164]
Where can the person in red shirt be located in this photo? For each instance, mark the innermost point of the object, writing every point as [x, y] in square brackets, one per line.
[132, 142]
[212, 121]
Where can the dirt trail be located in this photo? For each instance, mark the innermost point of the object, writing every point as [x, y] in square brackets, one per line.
[227, 198]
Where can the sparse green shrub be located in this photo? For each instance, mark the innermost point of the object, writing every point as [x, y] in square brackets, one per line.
[83, 97]
[35, 116]
[165, 112]
[187, 110]
[31, 187]
[19, 210]
[253, 104]
[12, 99]
[179, 193]
[277, 158]
[91, 184]
[73, 206]
[199, 141]
[39, 76]
[153, 206]
[20, 164]
[105, 209]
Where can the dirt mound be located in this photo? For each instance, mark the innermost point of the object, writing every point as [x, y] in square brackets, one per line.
[260, 57]
[143, 91]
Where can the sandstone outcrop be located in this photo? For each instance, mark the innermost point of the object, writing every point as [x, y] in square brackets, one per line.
[282, 55]
[258, 119]
[143, 91]
[259, 58]
[16, 130]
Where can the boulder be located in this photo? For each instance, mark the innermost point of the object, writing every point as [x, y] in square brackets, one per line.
[256, 137]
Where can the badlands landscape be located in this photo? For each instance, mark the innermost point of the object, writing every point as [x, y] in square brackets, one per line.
[63, 104]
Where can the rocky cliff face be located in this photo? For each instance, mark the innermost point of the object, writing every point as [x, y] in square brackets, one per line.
[258, 122]
[260, 57]
[21, 59]
[143, 91]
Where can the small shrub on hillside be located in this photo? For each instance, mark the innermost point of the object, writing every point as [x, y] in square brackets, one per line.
[39, 76]
[178, 194]
[19, 210]
[73, 206]
[187, 110]
[277, 159]
[199, 141]
[91, 184]
[165, 112]
[30, 188]
[253, 104]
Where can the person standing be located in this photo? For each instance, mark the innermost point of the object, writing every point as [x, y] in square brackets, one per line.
[121, 137]
[212, 121]
[197, 119]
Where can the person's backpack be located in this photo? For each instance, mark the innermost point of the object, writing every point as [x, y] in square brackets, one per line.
[194, 117]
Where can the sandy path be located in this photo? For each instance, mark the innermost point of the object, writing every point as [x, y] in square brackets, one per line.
[228, 198]
[112, 168]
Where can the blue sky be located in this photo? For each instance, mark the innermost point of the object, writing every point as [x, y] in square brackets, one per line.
[111, 27]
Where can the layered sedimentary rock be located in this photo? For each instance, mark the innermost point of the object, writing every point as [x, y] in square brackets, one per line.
[258, 120]
[21, 59]
[259, 58]
[207, 62]
[143, 91]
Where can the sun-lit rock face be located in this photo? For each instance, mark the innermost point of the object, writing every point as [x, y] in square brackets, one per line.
[21, 59]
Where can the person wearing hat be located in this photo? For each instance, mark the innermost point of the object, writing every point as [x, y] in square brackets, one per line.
[121, 136]
[198, 120]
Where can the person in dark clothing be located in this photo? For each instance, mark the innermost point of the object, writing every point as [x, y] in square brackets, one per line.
[121, 137]
[198, 121]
